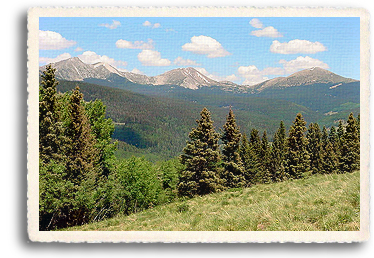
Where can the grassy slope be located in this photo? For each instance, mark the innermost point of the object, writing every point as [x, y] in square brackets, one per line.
[318, 203]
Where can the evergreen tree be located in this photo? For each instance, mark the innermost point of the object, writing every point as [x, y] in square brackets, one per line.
[358, 126]
[81, 152]
[334, 140]
[315, 148]
[330, 159]
[50, 127]
[340, 133]
[278, 154]
[249, 159]
[350, 149]
[255, 147]
[255, 141]
[297, 160]
[324, 137]
[233, 172]
[201, 159]
[264, 174]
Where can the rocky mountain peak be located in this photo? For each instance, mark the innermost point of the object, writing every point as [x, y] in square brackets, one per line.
[313, 75]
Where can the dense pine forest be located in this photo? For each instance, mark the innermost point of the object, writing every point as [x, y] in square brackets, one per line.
[81, 180]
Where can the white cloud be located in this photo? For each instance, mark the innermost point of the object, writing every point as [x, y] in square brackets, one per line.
[185, 62]
[48, 60]
[153, 26]
[111, 26]
[302, 63]
[251, 74]
[90, 57]
[152, 58]
[147, 24]
[270, 32]
[204, 45]
[256, 23]
[78, 49]
[297, 46]
[231, 78]
[121, 43]
[273, 71]
[50, 40]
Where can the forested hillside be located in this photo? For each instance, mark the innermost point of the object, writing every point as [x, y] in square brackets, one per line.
[158, 125]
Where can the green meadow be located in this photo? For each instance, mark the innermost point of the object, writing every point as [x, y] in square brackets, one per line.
[317, 203]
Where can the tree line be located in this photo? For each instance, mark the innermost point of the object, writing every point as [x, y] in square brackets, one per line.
[241, 162]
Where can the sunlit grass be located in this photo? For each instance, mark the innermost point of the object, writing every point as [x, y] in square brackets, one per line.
[318, 203]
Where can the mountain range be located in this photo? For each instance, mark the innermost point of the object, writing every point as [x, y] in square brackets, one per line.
[74, 69]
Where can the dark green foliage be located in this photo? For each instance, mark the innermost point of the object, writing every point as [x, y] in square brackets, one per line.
[358, 125]
[334, 140]
[329, 154]
[201, 158]
[330, 159]
[278, 153]
[250, 160]
[324, 137]
[264, 173]
[233, 169]
[350, 147]
[297, 160]
[81, 152]
[340, 134]
[315, 148]
[50, 127]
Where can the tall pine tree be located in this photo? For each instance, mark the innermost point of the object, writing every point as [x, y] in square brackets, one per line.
[201, 159]
[350, 149]
[233, 169]
[278, 154]
[264, 174]
[81, 151]
[50, 126]
[250, 160]
[297, 160]
[315, 149]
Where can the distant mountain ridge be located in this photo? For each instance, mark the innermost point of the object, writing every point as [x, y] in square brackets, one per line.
[73, 69]
[314, 75]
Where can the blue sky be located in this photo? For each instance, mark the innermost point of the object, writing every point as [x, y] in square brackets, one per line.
[246, 50]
